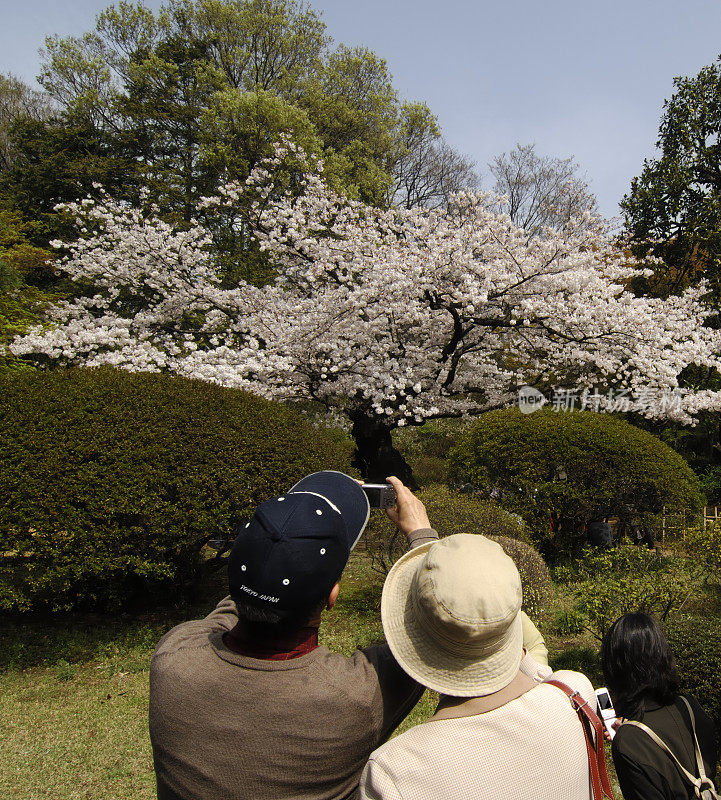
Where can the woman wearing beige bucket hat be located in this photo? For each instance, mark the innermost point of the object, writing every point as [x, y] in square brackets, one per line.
[451, 614]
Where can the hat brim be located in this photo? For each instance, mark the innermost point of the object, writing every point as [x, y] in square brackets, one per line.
[345, 493]
[423, 659]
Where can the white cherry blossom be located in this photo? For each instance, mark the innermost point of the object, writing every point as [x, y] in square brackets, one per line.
[387, 316]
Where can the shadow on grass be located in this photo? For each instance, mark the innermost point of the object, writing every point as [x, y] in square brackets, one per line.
[41, 640]
[63, 639]
[75, 639]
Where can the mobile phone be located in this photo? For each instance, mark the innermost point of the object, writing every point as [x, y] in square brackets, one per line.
[380, 495]
[606, 710]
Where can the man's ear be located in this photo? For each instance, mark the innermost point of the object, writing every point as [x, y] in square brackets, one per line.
[333, 596]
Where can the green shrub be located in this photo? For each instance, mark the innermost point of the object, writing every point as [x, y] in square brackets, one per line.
[607, 584]
[704, 546]
[21, 306]
[112, 483]
[576, 464]
[64, 670]
[711, 483]
[696, 644]
[23, 268]
[457, 512]
[568, 622]
[434, 438]
[535, 577]
[449, 512]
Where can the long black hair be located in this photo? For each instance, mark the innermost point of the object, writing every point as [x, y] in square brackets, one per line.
[638, 665]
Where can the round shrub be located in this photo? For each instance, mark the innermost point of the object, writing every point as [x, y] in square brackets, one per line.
[578, 465]
[112, 483]
[696, 643]
[449, 512]
[535, 577]
[457, 512]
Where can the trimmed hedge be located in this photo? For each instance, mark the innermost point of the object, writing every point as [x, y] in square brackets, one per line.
[696, 645]
[610, 466]
[111, 483]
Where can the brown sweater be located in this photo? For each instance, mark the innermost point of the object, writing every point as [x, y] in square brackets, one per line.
[228, 727]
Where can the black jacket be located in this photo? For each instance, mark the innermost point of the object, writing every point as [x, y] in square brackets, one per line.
[645, 771]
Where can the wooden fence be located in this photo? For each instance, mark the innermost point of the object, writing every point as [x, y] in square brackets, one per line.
[710, 514]
[678, 522]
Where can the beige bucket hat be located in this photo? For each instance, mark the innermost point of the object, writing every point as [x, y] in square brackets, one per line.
[450, 612]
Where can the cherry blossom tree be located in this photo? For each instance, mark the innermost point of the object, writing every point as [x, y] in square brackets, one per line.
[387, 317]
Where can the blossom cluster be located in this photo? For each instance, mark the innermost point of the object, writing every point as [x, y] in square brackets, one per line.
[397, 315]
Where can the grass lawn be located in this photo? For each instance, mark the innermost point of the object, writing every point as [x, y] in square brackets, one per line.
[73, 710]
[74, 691]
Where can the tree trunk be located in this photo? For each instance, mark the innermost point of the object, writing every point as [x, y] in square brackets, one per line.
[375, 455]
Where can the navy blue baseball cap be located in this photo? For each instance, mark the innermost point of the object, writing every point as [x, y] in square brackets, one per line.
[295, 547]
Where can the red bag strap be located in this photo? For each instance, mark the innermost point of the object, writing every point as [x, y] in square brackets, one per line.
[600, 783]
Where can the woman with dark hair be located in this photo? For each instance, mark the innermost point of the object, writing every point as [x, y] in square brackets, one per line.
[641, 678]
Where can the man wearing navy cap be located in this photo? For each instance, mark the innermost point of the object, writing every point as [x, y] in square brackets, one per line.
[244, 704]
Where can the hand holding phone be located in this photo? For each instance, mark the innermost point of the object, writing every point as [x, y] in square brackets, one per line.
[606, 711]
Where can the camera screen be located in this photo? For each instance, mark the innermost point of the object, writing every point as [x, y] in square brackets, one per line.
[374, 496]
[604, 701]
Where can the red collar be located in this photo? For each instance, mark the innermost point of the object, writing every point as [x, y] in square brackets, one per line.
[280, 648]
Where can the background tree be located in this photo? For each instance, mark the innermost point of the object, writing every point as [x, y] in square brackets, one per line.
[58, 160]
[427, 171]
[542, 191]
[17, 101]
[273, 45]
[673, 210]
[672, 217]
[355, 110]
[168, 96]
[388, 317]
[150, 81]
[237, 134]
[22, 267]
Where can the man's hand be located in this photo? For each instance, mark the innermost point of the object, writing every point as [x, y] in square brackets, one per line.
[409, 513]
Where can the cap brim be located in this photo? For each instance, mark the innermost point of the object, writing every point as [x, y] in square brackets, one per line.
[345, 493]
[423, 659]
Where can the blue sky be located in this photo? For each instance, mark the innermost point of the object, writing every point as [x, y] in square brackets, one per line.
[577, 78]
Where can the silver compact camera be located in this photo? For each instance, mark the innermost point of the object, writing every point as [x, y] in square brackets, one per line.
[380, 495]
